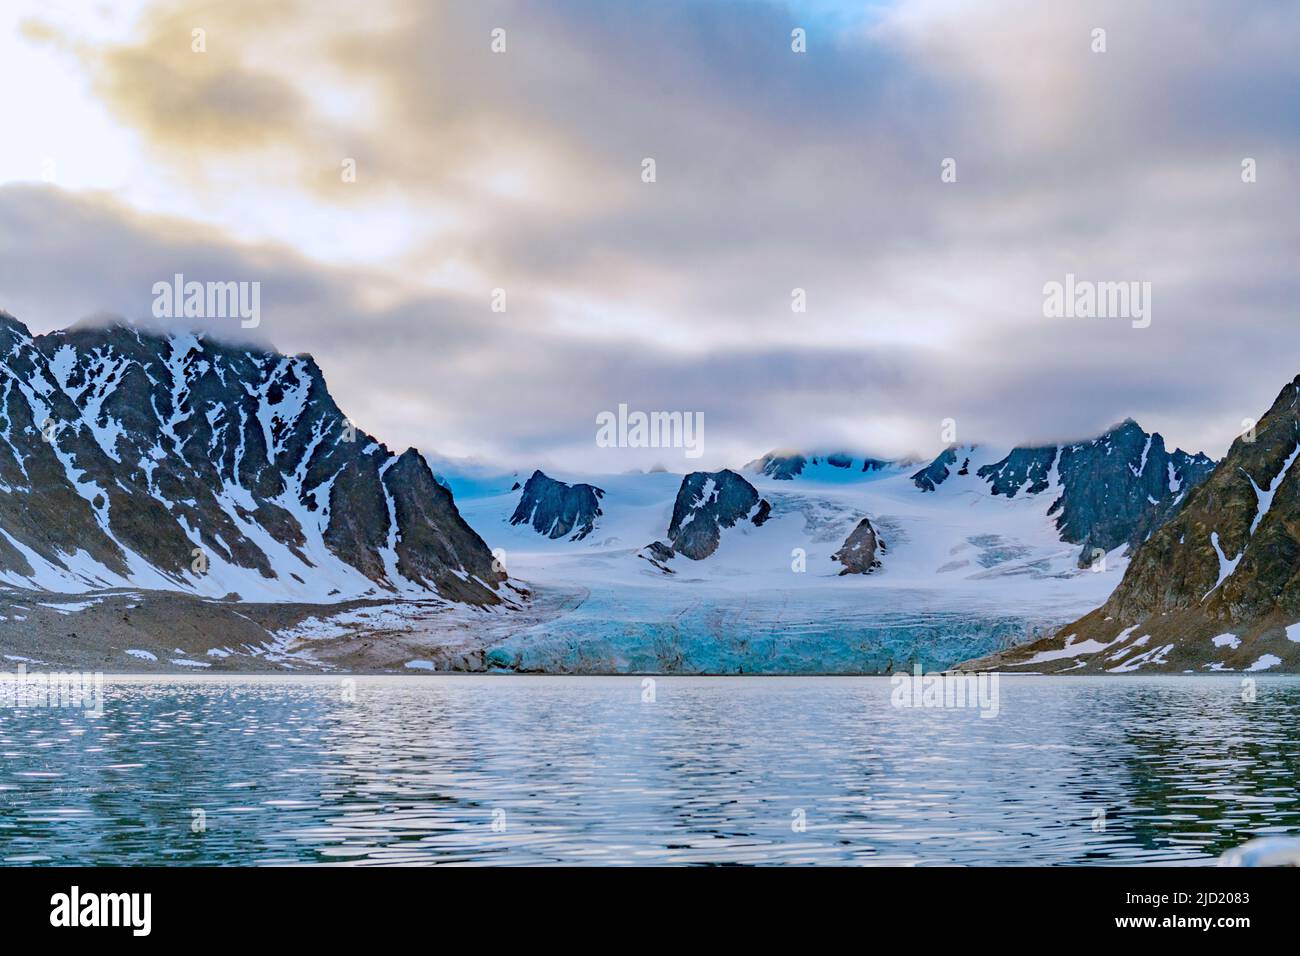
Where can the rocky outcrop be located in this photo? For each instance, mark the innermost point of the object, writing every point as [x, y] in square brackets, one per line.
[178, 463]
[707, 502]
[659, 554]
[1025, 468]
[556, 509]
[936, 473]
[1217, 586]
[861, 549]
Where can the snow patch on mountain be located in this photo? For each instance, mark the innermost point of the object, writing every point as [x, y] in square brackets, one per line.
[179, 463]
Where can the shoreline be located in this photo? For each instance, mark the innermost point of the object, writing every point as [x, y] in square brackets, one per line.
[150, 633]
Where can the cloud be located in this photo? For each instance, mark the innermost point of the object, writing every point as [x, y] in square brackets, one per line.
[437, 371]
[776, 171]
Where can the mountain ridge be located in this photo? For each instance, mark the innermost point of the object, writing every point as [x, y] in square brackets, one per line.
[1104, 500]
[131, 458]
[1217, 587]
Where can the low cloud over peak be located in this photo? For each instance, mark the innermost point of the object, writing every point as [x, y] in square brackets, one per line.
[775, 174]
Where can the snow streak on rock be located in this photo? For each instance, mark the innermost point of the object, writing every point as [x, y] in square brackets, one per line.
[135, 460]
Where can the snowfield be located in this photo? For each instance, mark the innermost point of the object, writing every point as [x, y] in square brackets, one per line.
[963, 573]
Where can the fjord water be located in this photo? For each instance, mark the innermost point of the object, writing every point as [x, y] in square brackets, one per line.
[573, 770]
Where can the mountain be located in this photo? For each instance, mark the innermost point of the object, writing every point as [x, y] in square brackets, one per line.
[1217, 587]
[556, 509]
[1112, 490]
[177, 463]
[706, 503]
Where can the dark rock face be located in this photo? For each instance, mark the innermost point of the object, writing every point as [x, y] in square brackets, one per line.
[555, 509]
[431, 537]
[1023, 466]
[1247, 512]
[123, 452]
[934, 474]
[1120, 487]
[1115, 489]
[861, 549]
[658, 553]
[706, 503]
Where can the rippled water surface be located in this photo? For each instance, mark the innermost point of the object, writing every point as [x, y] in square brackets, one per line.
[529, 770]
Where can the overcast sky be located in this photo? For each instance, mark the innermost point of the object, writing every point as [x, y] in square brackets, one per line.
[129, 157]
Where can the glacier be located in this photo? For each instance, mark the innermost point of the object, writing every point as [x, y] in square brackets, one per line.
[966, 572]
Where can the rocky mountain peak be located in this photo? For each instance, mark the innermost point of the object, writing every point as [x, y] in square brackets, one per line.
[556, 509]
[707, 503]
[137, 459]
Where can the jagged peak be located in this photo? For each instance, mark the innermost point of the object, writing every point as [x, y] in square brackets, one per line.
[149, 332]
[9, 320]
[558, 509]
[175, 441]
[539, 477]
[1287, 397]
[145, 343]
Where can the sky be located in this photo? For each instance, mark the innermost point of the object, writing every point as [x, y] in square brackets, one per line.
[129, 156]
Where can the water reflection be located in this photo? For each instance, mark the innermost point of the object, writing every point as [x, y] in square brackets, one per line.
[579, 770]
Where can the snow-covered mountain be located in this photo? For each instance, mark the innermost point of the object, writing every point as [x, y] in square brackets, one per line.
[1111, 490]
[176, 463]
[984, 553]
[1215, 588]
